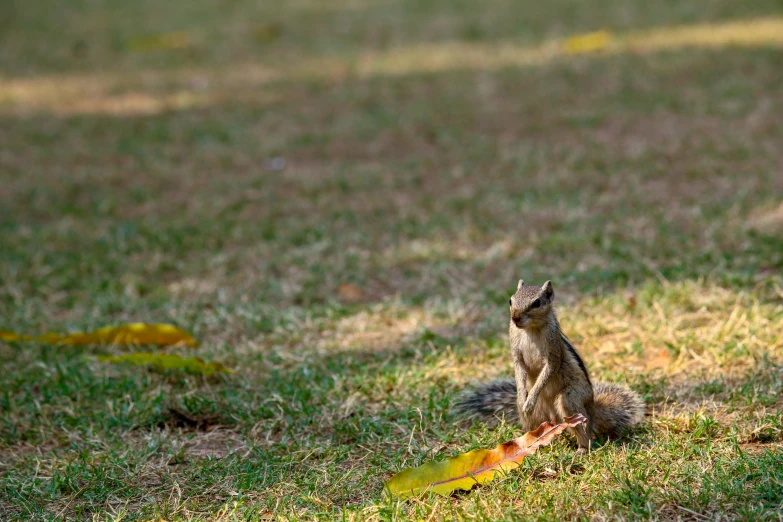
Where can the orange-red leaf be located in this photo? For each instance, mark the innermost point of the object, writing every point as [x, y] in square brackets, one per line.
[350, 292]
[478, 466]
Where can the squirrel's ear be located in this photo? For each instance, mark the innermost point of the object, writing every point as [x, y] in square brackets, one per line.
[519, 285]
[548, 290]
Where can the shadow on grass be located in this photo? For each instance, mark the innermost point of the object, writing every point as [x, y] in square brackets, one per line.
[434, 190]
[492, 184]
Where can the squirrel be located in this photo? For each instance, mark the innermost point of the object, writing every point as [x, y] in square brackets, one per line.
[550, 378]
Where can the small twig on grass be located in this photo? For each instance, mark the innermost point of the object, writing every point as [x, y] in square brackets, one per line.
[694, 513]
[74, 497]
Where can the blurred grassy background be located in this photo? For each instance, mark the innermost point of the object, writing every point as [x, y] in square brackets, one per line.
[337, 199]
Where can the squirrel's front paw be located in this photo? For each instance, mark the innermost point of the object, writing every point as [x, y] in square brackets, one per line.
[527, 407]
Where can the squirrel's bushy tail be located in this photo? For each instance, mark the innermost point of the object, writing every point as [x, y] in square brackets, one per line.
[615, 406]
[491, 401]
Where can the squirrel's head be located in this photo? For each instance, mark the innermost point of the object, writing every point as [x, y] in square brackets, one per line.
[531, 306]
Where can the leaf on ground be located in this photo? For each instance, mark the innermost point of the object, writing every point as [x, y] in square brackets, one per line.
[478, 466]
[178, 418]
[6, 335]
[588, 43]
[126, 334]
[134, 333]
[154, 42]
[165, 361]
[350, 292]
[266, 32]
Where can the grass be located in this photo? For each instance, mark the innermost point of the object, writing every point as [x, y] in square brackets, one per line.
[434, 153]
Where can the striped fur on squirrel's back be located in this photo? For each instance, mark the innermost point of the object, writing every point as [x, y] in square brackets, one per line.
[615, 407]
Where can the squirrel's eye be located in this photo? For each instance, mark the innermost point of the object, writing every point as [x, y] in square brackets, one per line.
[535, 304]
[509, 302]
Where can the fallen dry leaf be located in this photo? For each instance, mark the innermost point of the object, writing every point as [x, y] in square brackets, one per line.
[588, 43]
[155, 42]
[478, 466]
[126, 334]
[165, 361]
[350, 292]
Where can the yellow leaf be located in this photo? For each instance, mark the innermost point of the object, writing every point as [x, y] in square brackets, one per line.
[164, 361]
[5, 335]
[135, 333]
[127, 334]
[266, 32]
[478, 466]
[587, 43]
[48, 338]
[154, 42]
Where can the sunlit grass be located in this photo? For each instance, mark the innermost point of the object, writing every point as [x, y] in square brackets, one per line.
[95, 93]
[438, 57]
[340, 213]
